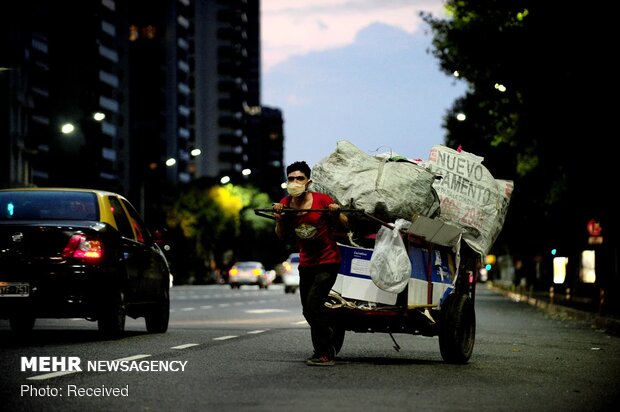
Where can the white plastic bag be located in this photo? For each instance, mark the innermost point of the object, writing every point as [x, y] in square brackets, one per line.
[390, 267]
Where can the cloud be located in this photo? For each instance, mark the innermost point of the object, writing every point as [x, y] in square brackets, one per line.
[381, 90]
[298, 27]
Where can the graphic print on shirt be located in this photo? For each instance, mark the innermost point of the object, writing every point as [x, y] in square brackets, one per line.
[305, 231]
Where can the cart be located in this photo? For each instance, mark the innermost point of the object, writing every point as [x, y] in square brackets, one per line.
[425, 307]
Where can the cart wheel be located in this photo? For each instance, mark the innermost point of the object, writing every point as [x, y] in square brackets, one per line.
[457, 329]
[337, 337]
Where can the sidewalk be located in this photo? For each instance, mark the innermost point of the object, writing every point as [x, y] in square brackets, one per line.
[542, 301]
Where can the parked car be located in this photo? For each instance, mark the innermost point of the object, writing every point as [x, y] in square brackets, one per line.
[290, 276]
[250, 273]
[85, 253]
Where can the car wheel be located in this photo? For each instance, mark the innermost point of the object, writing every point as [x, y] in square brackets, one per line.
[159, 316]
[111, 322]
[288, 289]
[457, 329]
[22, 323]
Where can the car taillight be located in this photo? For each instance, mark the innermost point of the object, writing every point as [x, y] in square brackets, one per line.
[81, 247]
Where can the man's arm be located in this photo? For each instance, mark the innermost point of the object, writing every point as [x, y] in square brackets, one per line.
[342, 218]
[280, 225]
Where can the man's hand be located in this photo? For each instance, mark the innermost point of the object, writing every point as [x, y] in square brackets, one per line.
[334, 207]
[277, 210]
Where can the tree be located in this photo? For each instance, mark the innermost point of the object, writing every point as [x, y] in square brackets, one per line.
[537, 109]
[218, 224]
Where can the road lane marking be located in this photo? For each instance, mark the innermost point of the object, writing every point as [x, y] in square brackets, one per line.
[226, 337]
[252, 332]
[50, 375]
[187, 345]
[206, 307]
[261, 311]
[56, 374]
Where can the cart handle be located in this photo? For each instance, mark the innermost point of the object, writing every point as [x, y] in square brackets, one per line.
[268, 213]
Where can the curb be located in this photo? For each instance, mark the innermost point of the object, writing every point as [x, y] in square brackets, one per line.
[609, 325]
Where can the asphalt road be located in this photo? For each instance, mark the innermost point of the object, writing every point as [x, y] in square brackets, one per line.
[238, 350]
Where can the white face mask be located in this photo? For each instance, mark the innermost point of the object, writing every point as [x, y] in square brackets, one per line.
[295, 189]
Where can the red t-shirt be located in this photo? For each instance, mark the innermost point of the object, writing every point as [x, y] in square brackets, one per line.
[314, 232]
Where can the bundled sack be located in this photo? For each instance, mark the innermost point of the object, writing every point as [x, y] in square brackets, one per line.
[470, 196]
[379, 186]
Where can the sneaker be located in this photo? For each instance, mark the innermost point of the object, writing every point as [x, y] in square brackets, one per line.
[321, 361]
[314, 357]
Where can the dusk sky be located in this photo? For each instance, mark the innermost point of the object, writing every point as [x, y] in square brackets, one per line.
[356, 70]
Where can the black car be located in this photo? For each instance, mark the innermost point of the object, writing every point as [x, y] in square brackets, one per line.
[83, 253]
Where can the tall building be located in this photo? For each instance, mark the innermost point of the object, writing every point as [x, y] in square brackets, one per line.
[62, 113]
[161, 98]
[227, 81]
[242, 139]
[135, 96]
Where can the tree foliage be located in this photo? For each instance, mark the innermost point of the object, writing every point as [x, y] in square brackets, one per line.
[537, 109]
[218, 222]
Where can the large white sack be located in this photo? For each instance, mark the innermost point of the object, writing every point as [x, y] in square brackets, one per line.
[386, 189]
[471, 197]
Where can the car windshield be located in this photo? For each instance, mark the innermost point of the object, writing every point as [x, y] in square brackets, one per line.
[248, 265]
[48, 205]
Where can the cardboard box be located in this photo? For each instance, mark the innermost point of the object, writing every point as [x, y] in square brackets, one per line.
[441, 272]
[435, 231]
[354, 281]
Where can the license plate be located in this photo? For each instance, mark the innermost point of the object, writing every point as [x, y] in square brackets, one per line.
[18, 289]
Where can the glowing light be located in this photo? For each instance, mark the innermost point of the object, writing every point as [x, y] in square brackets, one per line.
[224, 180]
[195, 152]
[461, 117]
[588, 266]
[67, 128]
[171, 162]
[559, 269]
[246, 172]
[99, 116]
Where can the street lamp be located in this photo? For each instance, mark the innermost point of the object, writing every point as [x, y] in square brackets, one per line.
[67, 128]
[171, 162]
